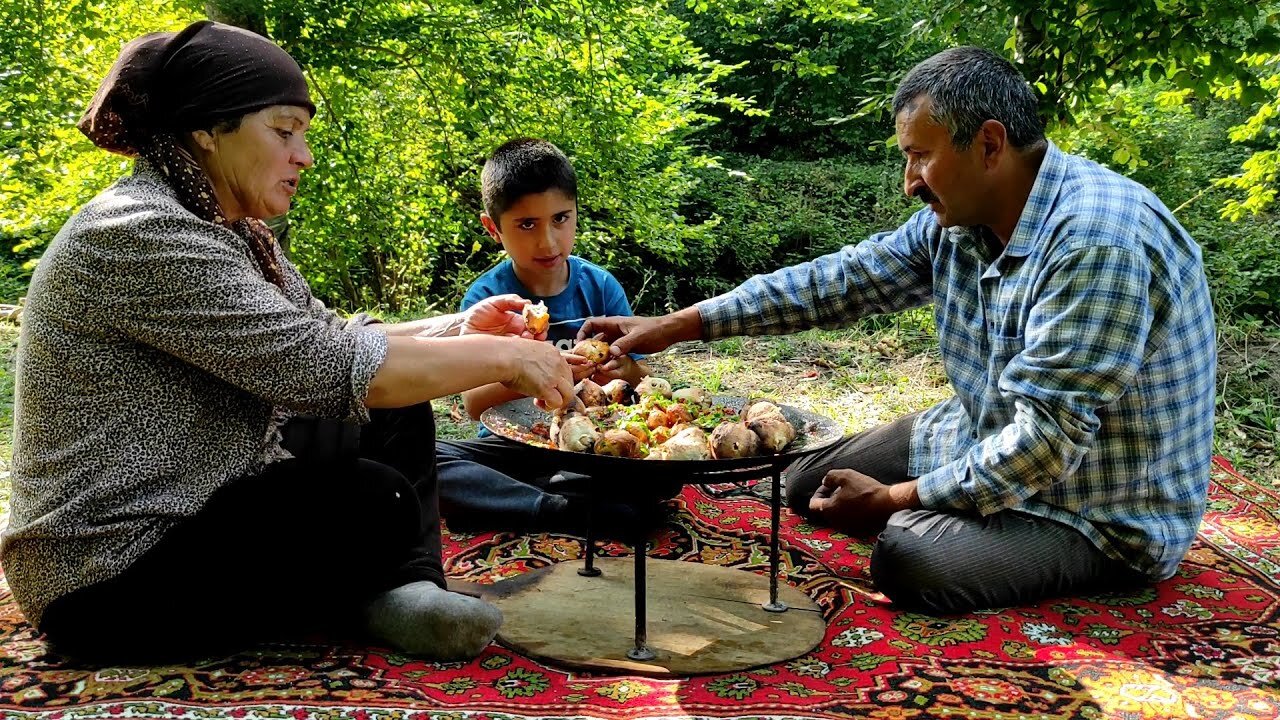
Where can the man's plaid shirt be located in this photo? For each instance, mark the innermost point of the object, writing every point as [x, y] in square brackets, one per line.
[1082, 357]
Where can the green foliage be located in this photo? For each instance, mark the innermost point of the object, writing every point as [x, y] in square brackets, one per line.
[416, 93]
[808, 64]
[52, 56]
[1073, 52]
[1260, 178]
[770, 213]
[412, 96]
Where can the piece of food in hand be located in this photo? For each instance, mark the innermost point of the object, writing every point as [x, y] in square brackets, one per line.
[734, 440]
[759, 408]
[619, 391]
[577, 434]
[591, 394]
[597, 351]
[618, 443]
[774, 430]
[693, 395]
[654, 386]
[536, 317]
[688, 444]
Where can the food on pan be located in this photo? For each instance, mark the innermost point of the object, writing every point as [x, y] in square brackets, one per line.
[652, 421]
[654, 386]
[536, 318]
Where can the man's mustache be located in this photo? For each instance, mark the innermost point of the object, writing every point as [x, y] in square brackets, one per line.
[925, 195]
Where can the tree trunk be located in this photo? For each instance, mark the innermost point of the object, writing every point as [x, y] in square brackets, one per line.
[1030, 54]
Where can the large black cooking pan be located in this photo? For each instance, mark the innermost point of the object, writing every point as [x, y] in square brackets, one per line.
[514, 421]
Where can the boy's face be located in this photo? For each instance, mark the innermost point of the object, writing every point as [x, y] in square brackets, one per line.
[537, 231]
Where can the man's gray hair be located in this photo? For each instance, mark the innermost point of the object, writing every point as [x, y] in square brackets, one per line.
[968, 86]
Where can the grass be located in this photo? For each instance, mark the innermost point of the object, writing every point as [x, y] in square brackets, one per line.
[870, 374]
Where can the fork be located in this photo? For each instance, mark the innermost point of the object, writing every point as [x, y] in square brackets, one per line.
[566, 322]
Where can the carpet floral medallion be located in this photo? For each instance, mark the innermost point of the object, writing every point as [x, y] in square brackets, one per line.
[1203, 644]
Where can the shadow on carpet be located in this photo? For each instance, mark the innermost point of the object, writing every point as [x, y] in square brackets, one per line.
[1203, 644]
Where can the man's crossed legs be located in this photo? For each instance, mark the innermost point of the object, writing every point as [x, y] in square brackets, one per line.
[948, 562]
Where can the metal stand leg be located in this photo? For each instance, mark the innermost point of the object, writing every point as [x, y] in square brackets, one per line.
[641, 650]
[774, 605]
[589, 569]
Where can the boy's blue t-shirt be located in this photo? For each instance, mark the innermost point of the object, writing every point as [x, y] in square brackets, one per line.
[592, 292]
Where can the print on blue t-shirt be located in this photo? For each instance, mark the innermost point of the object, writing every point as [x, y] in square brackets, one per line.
[592, 292]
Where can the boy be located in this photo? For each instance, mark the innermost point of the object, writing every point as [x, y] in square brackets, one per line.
[530, 195]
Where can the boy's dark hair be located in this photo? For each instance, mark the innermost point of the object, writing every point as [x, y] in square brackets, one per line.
[524, 166]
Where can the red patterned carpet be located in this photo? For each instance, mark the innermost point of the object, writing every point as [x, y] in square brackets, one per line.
[1204, 644]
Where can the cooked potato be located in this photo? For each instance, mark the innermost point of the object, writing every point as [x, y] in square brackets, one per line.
[597, 351]
[619, 391]
[734, 440]
[775, 432]
[756, 408]
[654, 386]
[660, 434]
[577, 434]
[688, 444]
[639, 429]
[658, 453]
[656, 419]
[618, 443]
[590, 393]
[678, 413]
[536, 318]
[692, 395]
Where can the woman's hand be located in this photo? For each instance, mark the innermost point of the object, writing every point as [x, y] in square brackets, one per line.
[498, 315]
[539, 371]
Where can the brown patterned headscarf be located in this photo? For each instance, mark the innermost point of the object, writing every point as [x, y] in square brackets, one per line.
[164, 84]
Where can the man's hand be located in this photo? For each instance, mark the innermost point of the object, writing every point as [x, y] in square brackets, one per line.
[498, 315]
[623, 366]
[644, 334]
[538, 371]
[859, 504]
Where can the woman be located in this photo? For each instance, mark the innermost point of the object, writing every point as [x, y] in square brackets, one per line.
[183, 478]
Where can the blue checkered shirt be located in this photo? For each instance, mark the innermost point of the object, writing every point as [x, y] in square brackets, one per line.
[1082, 357]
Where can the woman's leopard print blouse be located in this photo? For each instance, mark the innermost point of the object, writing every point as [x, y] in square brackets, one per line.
[154, 364]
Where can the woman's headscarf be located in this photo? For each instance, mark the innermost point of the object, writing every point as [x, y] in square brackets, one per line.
[164, 84]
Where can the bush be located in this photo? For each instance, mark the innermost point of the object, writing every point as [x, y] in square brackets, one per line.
[765, 214]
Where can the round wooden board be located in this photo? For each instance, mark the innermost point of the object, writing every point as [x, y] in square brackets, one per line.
[701, 618]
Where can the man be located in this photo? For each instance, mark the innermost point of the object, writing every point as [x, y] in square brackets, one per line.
[1075, 325]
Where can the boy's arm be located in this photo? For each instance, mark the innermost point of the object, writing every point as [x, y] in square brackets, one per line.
[478, 400]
